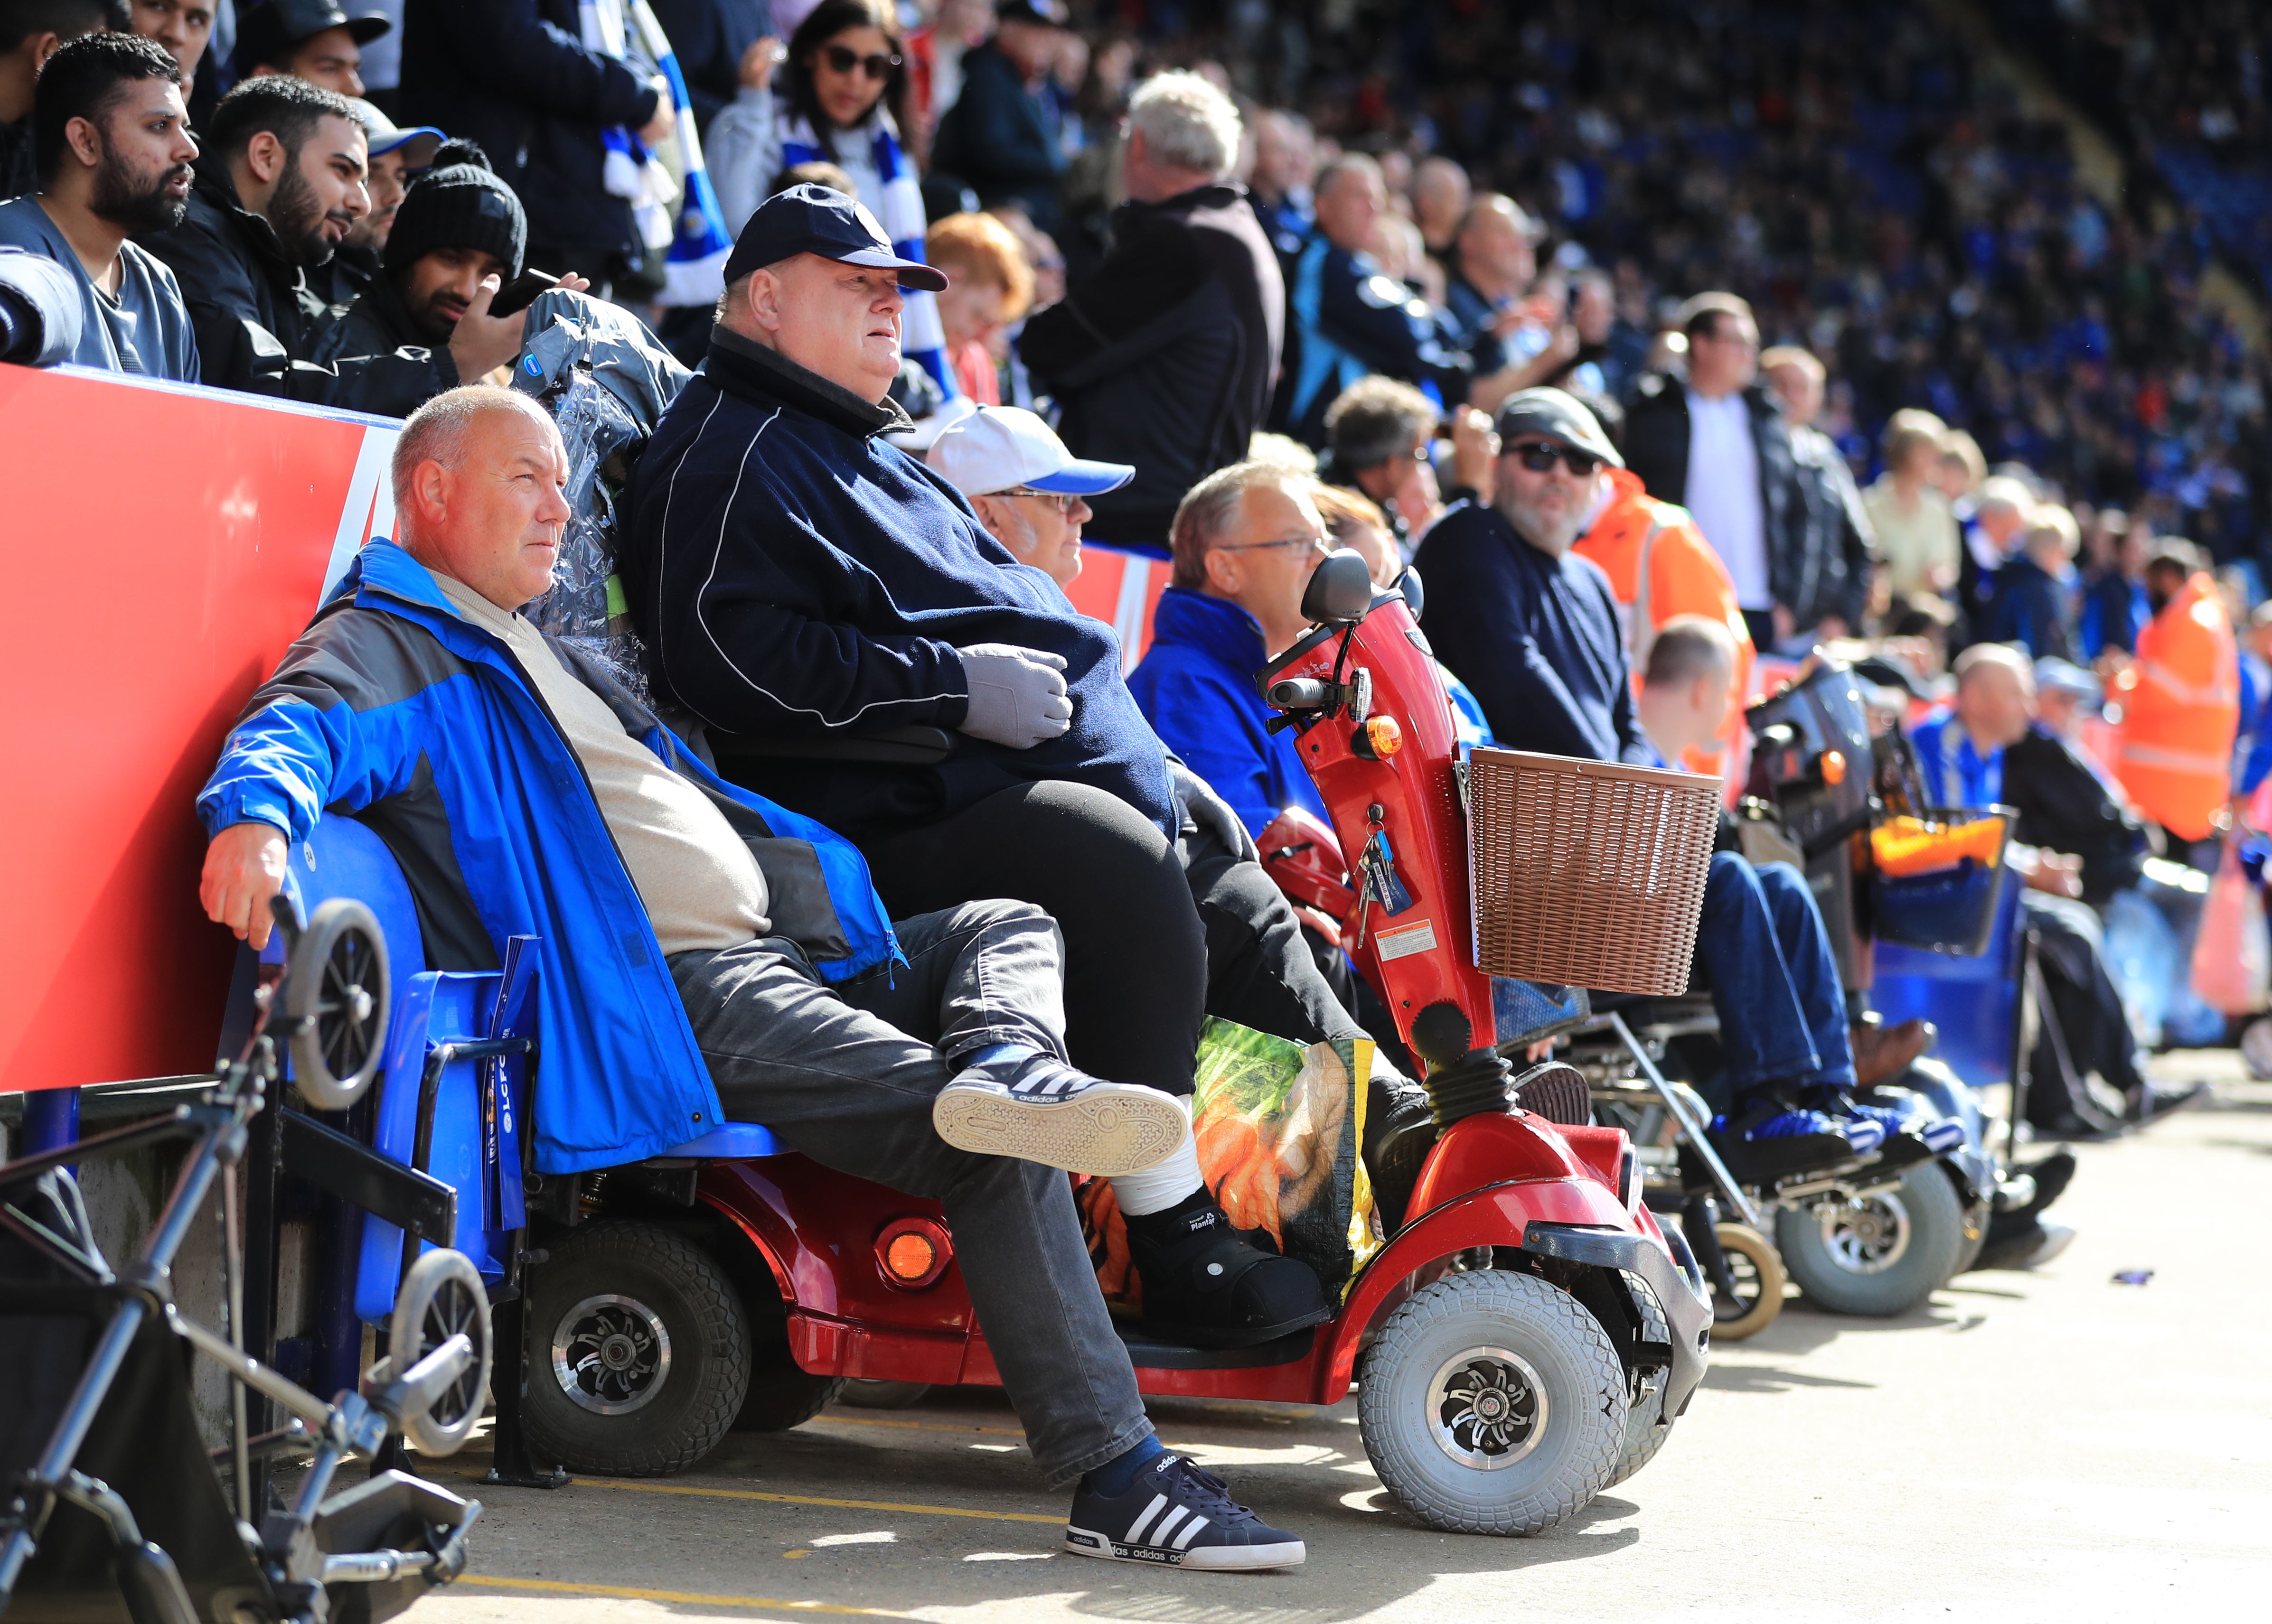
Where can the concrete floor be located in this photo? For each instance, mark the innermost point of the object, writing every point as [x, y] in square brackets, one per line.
[2041, 1446]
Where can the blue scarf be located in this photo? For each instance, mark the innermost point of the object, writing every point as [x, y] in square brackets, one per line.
[694, 270]
[1955, 772]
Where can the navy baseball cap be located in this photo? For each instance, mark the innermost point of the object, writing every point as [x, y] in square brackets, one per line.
[818, 219]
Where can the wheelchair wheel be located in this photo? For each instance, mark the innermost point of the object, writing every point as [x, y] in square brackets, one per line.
[441, 1296]
[1494, 1403]
[1880, 1255]
[335, 994]
[638, 1349]
[1759, 1277]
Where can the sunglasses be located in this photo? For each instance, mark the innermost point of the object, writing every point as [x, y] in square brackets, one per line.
[843, 59]
[1540, 457]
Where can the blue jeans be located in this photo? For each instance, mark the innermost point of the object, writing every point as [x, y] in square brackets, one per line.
[1783, 1012]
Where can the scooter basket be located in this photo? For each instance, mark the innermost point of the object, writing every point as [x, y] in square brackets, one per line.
[1945, 906]
[1587, 874]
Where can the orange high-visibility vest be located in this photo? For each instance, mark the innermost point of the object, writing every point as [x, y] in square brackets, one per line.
[1660, 565]
[2180, 709]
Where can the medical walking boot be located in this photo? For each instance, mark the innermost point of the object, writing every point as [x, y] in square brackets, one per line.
[1208, 1285]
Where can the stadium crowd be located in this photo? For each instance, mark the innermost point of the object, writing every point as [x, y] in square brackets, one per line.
[1847, 349]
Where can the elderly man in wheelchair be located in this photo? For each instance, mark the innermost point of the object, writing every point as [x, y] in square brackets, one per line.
[705, 955]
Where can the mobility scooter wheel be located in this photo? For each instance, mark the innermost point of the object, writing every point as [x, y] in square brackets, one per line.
[1880, 1255]
[1494, 1403]
[638, 1348]
[1976, 1216]
[441, 1296]
[335, 999]
[1759, 1274]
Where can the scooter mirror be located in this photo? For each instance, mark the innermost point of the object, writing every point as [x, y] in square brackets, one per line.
[1340, 590]
[1408, 585]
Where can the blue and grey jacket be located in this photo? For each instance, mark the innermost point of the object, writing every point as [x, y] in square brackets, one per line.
[394, 709]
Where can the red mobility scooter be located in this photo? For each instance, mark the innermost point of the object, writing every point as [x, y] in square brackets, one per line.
[1522, 1339]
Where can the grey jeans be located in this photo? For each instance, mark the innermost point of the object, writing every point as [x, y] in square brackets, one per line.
[847, 1073]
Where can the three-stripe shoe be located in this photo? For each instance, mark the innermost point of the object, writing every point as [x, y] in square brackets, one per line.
[1175, 1515]
[1036, 1107]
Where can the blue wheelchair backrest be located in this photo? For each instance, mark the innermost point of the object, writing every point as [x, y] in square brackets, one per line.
[475, 1144]
[1975, 1000]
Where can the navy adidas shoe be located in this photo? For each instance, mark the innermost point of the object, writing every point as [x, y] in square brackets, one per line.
[1862, 1134]
[1036, 1107]
[1176, 1515]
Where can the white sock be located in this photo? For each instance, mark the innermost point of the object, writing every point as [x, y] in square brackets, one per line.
[1162, 1184]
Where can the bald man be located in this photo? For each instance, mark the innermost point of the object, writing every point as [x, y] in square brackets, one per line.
[699, 946]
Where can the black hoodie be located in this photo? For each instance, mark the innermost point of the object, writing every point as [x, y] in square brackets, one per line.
[259, 324]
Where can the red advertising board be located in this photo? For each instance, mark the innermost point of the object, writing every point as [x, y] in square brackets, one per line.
[162, 545]
[1122, 590]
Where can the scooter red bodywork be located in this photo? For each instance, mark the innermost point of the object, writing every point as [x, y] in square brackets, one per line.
[1499, 1179]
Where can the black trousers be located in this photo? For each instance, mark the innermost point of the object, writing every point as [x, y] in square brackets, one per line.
[1151, 946]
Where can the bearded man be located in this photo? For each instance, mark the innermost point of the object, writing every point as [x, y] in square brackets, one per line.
[113, 159]
[1532, 627]
[279, 188]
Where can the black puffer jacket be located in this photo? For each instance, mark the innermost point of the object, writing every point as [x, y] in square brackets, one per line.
[1799, 573]
[259, 324]
[515, 76]
[1165, 358]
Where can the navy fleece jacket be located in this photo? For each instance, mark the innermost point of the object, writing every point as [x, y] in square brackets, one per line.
[1535, 636]
[794, 574]
[1196, 683]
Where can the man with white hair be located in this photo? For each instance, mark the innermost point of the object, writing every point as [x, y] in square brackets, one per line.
[1166, 357]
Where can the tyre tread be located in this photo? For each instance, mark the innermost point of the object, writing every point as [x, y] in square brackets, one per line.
[1560, 1313]
[699, 1276]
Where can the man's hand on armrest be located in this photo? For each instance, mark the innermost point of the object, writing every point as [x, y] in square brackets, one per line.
[244, 869]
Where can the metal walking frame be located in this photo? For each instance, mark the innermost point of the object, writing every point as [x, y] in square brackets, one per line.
[158, 1542]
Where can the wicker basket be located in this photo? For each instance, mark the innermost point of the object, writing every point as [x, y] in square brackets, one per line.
[1587, 874]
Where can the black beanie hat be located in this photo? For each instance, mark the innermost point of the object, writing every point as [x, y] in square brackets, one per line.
[461, 205]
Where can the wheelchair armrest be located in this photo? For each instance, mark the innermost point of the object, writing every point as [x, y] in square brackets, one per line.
[915, 746]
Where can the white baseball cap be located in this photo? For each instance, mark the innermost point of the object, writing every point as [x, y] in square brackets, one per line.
[996, 448]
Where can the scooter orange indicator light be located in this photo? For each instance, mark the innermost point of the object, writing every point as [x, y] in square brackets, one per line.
[912, 1253]
[1381, 738]
[1834, 767]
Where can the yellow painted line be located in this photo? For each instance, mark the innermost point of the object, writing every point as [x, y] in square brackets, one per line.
[625, 1592]
[814, 1500]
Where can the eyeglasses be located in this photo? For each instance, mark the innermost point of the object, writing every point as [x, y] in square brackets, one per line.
[1540, 456]
[1062, 501]
[843, 59]
[1304, 544]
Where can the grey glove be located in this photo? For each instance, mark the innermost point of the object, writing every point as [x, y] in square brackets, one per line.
[1017, 695]
[1210, 813]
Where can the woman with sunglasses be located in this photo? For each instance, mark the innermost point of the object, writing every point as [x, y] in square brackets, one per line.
[842, 99]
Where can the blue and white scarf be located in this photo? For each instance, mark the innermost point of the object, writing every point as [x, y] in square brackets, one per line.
[921, 339]
[631, 172]
[694, 271]
[1956, 774]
